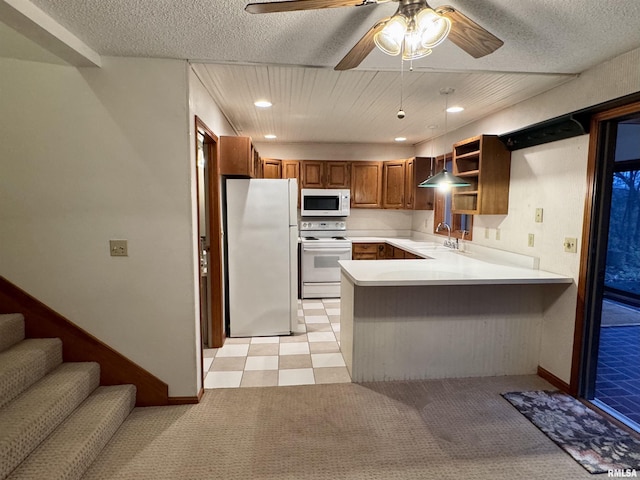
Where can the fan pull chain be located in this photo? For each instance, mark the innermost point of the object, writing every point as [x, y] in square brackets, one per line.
[401, 113]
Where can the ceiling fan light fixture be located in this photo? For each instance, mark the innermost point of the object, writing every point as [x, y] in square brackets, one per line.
[433, 28]
[390, 38]
[413, 48]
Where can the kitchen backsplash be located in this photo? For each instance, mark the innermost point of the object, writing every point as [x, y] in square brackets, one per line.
[364, 222]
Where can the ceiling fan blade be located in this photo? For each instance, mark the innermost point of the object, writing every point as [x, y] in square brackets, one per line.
[468, 35]
[292, 5]
[361, 49]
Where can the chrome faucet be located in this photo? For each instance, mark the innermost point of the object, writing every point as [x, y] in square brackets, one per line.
[447, 242]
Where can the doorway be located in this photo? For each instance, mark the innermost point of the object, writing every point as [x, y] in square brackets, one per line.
[611, 359]
[209, 237]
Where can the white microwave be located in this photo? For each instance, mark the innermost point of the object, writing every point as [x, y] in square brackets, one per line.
[325, 202]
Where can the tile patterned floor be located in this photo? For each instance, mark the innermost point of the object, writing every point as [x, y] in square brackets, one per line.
[310, 356]
[618, 377]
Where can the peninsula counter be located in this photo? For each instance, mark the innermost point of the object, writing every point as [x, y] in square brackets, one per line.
[449, 315]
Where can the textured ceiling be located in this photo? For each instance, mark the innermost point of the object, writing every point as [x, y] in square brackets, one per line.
[541, 37]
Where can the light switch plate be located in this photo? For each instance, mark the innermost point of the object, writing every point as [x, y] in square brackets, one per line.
[538, 215]
[118, 248]
[497, 234]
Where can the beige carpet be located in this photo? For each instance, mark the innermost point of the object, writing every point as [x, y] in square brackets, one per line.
[449, 429]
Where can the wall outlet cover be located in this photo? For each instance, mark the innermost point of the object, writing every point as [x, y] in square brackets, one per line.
[571, 245]
[118, 248]
[531, 240]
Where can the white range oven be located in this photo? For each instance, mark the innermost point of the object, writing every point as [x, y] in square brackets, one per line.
[323, 244]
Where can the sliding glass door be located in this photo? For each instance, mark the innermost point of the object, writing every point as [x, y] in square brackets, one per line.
[613, 376]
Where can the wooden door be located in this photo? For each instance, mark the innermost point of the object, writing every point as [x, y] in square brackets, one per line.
[393, 184]
[423, 198]
[236, 156]
[271, 168]
[311, 173]
[366, 184]
[291, 169]
[337, 174]
[409, 184]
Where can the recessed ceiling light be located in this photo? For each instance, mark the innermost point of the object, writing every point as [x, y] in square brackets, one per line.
[262, 103]
[400, 139]
[455, 109]
[270, 136]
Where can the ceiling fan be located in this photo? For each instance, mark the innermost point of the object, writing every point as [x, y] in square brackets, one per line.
[403, 32]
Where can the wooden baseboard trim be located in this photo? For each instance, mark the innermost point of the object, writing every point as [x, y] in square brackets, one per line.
[186, 400]
[80, 346]
[553, 380]
[183, 400]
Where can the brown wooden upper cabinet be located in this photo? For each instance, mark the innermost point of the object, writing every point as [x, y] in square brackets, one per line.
[366, 184]
[485, 162]
[400, 182]
[418, 198]
[394, 184]
[325, 174]
[238, 157]
[409, 184]
[291, 169]
[271, 168]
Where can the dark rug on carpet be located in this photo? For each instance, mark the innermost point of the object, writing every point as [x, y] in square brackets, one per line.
[592, 440]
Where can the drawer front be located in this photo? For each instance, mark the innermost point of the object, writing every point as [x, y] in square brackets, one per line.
[365, 247]
[364, 256]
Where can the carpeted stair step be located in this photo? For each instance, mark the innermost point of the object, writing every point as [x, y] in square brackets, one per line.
[11, 329]
[25, 363]
[75, 444]
[32, 416]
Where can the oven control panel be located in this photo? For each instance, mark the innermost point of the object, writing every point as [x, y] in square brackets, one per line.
[323, 225]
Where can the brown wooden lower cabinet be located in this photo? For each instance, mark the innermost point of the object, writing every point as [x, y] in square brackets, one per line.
[365, 251]
[394, 252]
[380, 251]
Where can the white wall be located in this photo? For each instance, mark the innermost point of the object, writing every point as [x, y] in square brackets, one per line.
[89, 155]
[333, 151]
[550, 176]
[378, 222]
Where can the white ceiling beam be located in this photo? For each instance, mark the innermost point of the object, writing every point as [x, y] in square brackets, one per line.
[36, 25]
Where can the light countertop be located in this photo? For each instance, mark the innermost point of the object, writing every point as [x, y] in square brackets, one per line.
[440, 266]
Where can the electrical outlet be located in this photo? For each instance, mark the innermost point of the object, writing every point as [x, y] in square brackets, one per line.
[531, 239]
[118, 248]
[570, 244]
[497, 234]
[486, 233]
[538, 215]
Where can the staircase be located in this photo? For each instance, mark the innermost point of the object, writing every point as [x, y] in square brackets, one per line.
[54, 416]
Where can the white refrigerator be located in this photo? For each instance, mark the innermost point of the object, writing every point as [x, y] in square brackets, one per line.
[262, 256]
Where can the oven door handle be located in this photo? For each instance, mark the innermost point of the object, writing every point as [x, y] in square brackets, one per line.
[327, 250]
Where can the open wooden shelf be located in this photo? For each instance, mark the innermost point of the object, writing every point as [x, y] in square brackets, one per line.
[485, 163]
